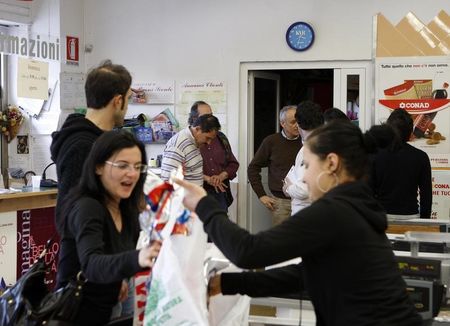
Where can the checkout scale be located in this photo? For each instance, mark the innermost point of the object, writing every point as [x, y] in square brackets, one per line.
[422, 248]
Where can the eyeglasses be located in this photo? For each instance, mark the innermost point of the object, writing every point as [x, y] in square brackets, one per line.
[123, 166]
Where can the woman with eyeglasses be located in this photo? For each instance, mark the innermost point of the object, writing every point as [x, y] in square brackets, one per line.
[101, 226]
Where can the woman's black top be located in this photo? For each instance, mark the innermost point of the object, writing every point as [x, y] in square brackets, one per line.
[348, 266]
[92, 244]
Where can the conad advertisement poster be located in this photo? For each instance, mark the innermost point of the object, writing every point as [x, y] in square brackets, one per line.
[419, 85]
[441, 195]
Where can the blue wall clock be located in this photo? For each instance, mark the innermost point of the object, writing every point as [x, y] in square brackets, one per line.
[300, 36]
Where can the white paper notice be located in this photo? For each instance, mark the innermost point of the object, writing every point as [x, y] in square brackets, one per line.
[72, 90]
[40, 152]
[212, 92]
[32, 79]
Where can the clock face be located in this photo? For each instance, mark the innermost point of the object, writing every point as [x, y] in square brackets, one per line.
[300, 36]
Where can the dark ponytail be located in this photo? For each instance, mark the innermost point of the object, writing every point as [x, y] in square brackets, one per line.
[346, 140]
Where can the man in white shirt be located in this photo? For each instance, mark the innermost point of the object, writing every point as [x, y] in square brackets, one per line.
[309, 117]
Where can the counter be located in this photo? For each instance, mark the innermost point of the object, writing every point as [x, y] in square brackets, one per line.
[26, 223]
[28, 198]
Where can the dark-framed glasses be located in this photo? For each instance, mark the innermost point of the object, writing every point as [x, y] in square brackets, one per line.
[123, 166]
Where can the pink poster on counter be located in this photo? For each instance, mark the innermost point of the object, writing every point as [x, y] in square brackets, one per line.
[34, 228]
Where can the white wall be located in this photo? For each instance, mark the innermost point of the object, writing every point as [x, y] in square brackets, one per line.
[72, 24]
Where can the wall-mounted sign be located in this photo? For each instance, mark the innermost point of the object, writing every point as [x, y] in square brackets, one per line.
[72, 50]
[32, 79]
[32, 45]
[153, 92]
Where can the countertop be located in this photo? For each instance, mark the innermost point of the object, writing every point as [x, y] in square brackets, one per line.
[28, 198]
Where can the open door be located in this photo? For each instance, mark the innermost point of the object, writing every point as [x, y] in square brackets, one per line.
[264, 106]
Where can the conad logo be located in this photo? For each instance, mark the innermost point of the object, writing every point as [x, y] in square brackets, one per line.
[423, 105]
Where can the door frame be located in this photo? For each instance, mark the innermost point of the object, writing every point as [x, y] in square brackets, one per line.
[251, 102]
[254, 205]
[245, 115]
[340, 99]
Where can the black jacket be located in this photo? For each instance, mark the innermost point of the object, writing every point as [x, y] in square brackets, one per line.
[400, 174]
[348, 267]
[69, 149]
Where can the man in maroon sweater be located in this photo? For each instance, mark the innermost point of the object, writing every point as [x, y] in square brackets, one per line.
[219, 163]
[277, 152]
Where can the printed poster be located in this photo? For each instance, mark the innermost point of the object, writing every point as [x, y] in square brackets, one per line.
[34, 228]
[420, 85]
[441, 195]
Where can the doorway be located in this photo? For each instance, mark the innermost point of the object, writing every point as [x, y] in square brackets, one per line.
[276, 88]
[270, 86]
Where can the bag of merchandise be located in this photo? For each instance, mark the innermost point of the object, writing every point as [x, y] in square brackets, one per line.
[157, 193]
[177, 292]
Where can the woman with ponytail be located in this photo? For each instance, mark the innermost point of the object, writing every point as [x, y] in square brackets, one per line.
[348, 268]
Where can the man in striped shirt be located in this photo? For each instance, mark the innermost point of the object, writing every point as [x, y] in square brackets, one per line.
[183, 149]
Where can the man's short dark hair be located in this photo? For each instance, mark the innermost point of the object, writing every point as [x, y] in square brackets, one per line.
[402, 123]
[193, 115]
[334, 114]
[308, 115]
[104, 82]
[207, 123]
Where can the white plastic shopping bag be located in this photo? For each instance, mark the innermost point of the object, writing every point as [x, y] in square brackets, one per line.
[164, 215]
[178, 290]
